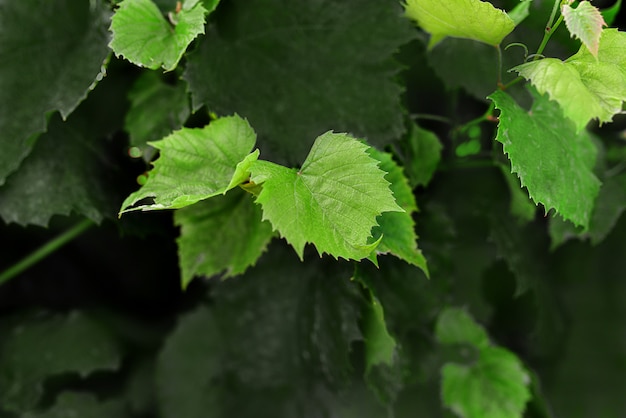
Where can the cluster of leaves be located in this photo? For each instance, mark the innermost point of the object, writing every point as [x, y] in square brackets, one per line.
[193, 93]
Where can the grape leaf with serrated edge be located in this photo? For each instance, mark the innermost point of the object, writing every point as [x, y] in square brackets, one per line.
[70, 38]
[142, 35]
[332, 201]
[585, 23]
[397, 228]
[471, 19]
[552, 161]
[585, 87]
[223, 233]
[197, 163]
[316, 65]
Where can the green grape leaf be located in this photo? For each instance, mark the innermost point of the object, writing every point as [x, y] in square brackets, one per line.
[520, 12]
[73, 343]
[422, 155]
[496, 386]
[585, 87]
[471, 19]
[585, 23]
[332, 201]
[81, 405]
[397, 229]
[301, 85]
[70, 37]
[456, 326]
[610, 14]
[379, 345]
[195, 164]
[552, 161]
[143, 36]
[72, 168]
[156, 109]
[223, 233]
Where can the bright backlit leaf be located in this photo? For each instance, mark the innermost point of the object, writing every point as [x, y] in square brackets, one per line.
[495, 386]
[471, 19]
[142, 35]
[316, 65]
[221, 234]
[397, 228]
[195, 164]
[51, 53]
[585, 23]
[332, 200]
[585, 87]
[552, 160]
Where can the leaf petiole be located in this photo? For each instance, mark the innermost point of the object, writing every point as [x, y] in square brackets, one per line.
[45, 250]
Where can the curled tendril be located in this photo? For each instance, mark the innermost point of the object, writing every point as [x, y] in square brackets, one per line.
[534, 56]
[520, 45]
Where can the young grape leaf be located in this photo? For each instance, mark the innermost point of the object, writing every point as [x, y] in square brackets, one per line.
[496, 386]
[224, 233]
[456, 326]
[397, 228]
[332, 201]
[585, 23]
[471, 19]
[423, 153]
[196, 164]
[316, 65]
[552, 160]
[585, 87]
[520, 12]
[51, 53]
[73, 343]
[142, 35]
[156, 109]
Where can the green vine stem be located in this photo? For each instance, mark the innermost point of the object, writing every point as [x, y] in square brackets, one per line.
[45, 250]
[550, 28]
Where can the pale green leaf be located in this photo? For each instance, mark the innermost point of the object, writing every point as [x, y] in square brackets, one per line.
[423, 153]
[585, 23]
[496, 386]
[196, 164]
[456, 326]
[520, 12]
[156, 109]
[51, 53]
[73, 343]
[585, 87]
[332, 201]
[610, 14]
[142, 35]
[398, 228]
[472, 19]
[220, 234]
[552, 161]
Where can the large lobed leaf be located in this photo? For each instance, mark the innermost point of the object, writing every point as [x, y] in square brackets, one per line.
[196, 164]
[552, 160]
[332, 200]
[51, 53]
[297, 68]
[471, 19]
[143, 36]
[586, 87]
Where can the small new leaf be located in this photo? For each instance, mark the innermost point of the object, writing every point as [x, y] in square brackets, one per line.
[332, 201]
[471, 19]
[585, 23]
[144, 37]
[196, 164]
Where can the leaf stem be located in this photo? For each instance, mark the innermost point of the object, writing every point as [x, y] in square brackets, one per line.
[45, 250]
[500, 85]
[550, 29]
